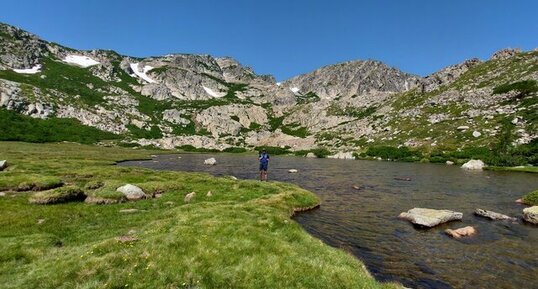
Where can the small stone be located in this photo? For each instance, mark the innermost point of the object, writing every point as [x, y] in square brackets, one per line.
[310, 155]
[462, 127]
[515, 120]
[209, 194]
[210, 161]
[292, 171]
[531, 215]
[40, 221]
[461, 232]
[355, 187]
[189, 197]
[3, 165]
[476, 133]
[2, 194]
[158, 195]
[450, 163]
[126, 239]
[519, 201]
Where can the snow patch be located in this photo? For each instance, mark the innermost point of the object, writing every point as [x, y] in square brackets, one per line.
[32, 70]
[80, 60]
[294, 89]
[279, 83]
[213, 93]
[142, 74]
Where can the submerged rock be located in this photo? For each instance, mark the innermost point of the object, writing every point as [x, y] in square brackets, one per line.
[531, 215]
[430, 217]
[473, 165]
[132, 192]
[493, 215]
[210, 161]
[461, 232]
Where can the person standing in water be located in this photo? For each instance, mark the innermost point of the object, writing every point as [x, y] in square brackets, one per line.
[264, 163]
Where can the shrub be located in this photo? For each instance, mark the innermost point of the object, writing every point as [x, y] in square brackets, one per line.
[388, 152]
[524, 88]
[106, 194]
[59, 195]
[190, 148]
[274, 150]
[531, 198]
[234, 150]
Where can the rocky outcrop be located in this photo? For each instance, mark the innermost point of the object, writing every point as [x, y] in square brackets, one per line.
[492, 215]
[430, 217]
[531, 215]
[132, 192]
[505, 53]
[473, 165]
[447, 75]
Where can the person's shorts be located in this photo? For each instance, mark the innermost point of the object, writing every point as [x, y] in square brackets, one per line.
[263, 167]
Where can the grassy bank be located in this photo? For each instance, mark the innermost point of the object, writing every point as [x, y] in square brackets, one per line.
[240, 237]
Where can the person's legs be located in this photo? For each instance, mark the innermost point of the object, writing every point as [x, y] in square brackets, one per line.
[265, 173]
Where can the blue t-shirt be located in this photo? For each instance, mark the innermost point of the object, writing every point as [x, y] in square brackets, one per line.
[264, 158]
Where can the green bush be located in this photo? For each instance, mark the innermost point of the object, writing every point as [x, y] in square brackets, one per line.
[18, 127]
[319, 152]
[531, 198]
[190, 148]
[234, 150]
[274, 150]
[137, 132]
[524, 88]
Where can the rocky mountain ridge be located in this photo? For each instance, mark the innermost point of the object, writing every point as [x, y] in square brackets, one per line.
[216, 103]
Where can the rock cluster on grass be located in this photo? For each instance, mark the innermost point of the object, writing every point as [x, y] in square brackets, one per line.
[473, 165]
[531, 215]
[461, 232]
[493, 215]
[3, 165]
[210, 161]
[132, 192]
[430, 217]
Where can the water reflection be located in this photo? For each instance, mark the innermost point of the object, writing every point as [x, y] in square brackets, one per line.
[363, 221]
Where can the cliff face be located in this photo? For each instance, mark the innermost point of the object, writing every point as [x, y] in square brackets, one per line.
[210, 102]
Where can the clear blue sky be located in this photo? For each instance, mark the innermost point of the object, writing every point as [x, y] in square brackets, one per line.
[286, 37]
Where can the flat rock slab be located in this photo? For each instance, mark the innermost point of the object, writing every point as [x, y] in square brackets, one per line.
[531, 215]
[461, 232]
[430, 217]
[493, 215]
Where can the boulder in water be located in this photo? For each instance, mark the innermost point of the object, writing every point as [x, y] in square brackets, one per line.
[492, 215]
[461, 232]
[292, 171]
[430, 217]
[449, 163]
[132, 192]
[210, 161]
[531, 215]
[473, 165]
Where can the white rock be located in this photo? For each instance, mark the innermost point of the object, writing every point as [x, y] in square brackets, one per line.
[449, 163]
[343, 156]
[210, 161]
[515, 120]
[531, 215]
[132, 192]
[462, 127]
[476, 133]
[473, 165]
[310, 155]
[189, 197]
[209, 194]
[430, 217]
[292, 171]
[3, 165]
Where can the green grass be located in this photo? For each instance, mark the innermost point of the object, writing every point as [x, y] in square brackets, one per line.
[523, 88]
[531, 198]
[240, 237]
[19, 127]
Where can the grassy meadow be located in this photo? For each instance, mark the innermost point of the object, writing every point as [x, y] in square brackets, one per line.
[241, 236]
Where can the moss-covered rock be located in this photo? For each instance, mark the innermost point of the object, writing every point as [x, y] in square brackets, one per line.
[59, 195]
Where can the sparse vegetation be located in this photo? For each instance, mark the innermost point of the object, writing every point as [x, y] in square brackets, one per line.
[523, 88]
[531, 198]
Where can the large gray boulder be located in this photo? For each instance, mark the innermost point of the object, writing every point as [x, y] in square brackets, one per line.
[3, 165]
[430, 217]
[132, 192]
[531, 215]
[492, 215]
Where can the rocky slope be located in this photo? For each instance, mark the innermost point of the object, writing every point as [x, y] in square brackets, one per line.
[210, 102]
